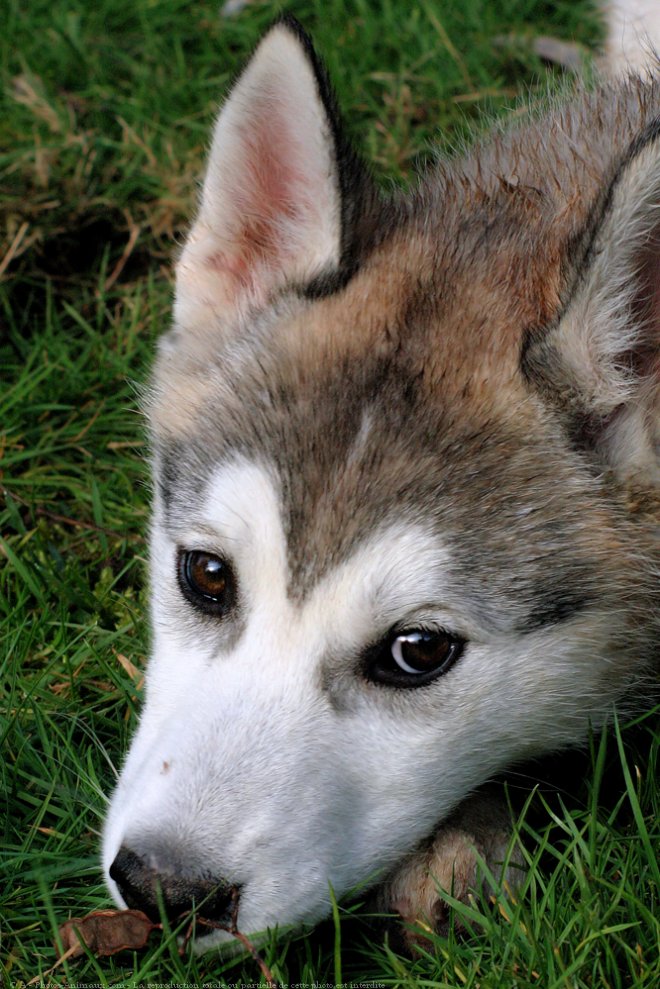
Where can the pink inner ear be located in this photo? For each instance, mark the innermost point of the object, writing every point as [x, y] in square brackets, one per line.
[270, 199]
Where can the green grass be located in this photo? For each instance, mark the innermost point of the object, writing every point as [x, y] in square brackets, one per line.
[105, 115]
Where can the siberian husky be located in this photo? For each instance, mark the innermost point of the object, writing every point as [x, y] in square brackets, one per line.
[405, 456]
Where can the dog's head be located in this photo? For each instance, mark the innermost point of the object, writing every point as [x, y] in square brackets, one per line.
[389, 555]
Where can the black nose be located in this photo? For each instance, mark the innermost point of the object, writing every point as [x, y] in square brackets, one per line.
[138, 885]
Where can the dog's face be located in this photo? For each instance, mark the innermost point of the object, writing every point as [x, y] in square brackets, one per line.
[385, 563]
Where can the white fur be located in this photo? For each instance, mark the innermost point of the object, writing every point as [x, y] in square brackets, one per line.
[633, 34]
[273, 763]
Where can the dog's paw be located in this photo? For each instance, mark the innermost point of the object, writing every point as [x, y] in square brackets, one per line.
[479, 830]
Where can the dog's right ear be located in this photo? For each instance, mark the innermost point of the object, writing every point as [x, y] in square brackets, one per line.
[599, 364]
[273, 209]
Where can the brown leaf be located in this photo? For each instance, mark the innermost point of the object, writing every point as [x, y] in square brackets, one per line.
[105, 932]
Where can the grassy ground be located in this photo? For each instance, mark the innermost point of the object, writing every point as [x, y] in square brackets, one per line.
[105, 115]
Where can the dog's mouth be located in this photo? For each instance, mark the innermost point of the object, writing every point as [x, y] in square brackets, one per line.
[212, 902]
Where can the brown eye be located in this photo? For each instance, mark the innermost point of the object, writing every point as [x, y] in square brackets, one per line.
[206, 581]
[413, 658]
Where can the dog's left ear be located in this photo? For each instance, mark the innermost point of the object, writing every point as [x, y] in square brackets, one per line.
[274, 208]
[599, 366]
